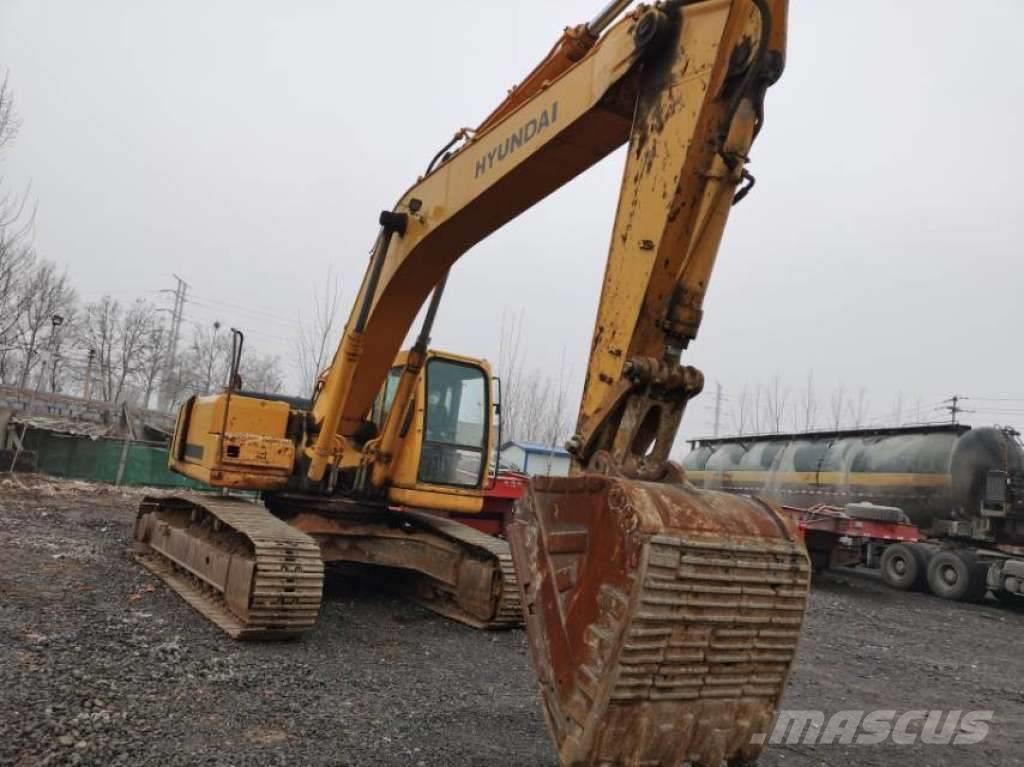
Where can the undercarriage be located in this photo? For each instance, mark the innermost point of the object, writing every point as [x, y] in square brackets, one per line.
[258, 573]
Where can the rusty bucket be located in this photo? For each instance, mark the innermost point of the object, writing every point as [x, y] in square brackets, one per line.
[663, 619]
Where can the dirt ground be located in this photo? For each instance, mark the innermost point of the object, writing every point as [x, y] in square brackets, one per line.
[101, 664]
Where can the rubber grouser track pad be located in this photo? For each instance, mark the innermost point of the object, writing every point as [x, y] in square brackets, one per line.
[663, 619]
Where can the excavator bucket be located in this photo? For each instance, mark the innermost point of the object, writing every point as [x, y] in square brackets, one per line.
[663, 619]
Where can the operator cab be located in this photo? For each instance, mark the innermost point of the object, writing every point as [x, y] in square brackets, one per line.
[449, 425]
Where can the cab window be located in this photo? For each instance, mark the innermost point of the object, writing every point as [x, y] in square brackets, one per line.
[382, 406]
[455, 424]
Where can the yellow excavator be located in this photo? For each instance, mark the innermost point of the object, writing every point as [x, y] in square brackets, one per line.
[662, 619]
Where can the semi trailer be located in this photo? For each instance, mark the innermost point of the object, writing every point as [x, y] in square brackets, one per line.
[960, 489]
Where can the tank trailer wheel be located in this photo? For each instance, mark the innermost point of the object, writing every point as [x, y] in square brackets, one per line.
[957, 575]
[904, 567]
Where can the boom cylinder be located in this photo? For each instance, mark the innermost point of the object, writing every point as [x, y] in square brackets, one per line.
[391, 438]
[606, 16]
[339, 380]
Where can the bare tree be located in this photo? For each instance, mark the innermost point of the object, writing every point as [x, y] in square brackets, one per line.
[15, 217]
[757, 410]
[837, 402]
[531, 417]
[98, 329]
[12, 205]
[9, 122]
[207, 359]
[262, 373]
[559, 422]
[123, 343]
[46, 294]
[918, 408]
[152, 357]
[16, 262]
[205, 364]
[509, 370]
[794, 415]
[16, 256]
[534, 406]
[775, 398]
[858, 408]
[135, 335]
[808, 406]
[897, 410]
[551, 423]
[741, 413]
[320, 332]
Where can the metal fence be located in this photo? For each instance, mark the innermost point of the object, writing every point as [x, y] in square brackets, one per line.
[102, 459]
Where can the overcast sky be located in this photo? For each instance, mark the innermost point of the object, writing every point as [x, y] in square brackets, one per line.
[248, 146]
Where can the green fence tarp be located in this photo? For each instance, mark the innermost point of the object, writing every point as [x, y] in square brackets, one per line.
[96, 460]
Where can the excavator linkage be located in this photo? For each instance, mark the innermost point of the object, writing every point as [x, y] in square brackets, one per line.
[663, 619]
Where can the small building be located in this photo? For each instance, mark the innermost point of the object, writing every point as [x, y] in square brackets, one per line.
[532, 458]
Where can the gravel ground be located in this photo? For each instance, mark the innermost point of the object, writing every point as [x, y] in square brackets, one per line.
[101, 664]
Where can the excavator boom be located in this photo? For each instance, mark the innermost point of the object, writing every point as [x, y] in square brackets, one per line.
[682, 83]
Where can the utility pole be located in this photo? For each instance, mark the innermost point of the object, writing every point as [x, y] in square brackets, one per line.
[166, 380]
[88, 374]
[953, 406]
[50, 355]
[718, 407]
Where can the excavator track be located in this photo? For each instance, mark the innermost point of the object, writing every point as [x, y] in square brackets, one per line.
[251, 574]
[508, 610]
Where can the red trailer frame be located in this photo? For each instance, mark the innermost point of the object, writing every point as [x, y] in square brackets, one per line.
[835, 539]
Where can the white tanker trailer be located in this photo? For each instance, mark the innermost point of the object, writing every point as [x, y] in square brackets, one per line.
[962, 487]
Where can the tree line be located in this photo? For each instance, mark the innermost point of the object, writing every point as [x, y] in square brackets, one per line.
[776, 407]
[535, 404]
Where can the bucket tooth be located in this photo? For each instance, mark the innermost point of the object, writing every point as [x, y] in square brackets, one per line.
[674, 639]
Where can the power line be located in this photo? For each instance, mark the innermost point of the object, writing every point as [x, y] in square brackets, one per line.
[244, 323]
[249, 330]
[255, 311]
[228, 310]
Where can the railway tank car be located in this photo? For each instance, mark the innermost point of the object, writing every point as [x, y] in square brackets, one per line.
[962, 486]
